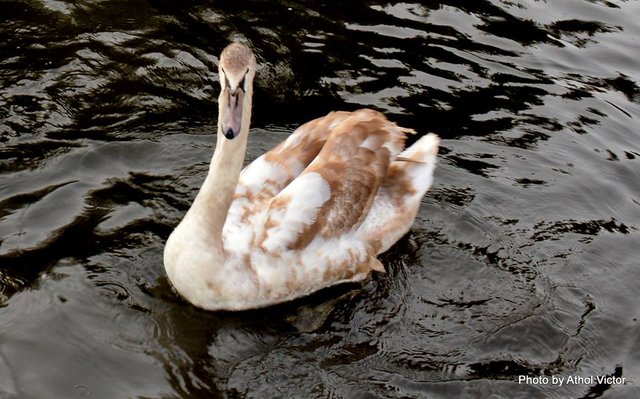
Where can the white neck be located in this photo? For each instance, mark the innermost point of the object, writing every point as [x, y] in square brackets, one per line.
[212, 203]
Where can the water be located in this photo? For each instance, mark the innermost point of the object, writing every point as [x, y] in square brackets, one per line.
[523, 260]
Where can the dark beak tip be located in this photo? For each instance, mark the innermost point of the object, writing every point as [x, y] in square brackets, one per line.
[229, 134]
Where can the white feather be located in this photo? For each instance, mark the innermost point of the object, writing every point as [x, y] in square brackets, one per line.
[259, 171]
[424, 152]
[307, 193]
[369, 143]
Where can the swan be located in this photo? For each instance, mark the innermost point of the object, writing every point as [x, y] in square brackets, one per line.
[313, 212]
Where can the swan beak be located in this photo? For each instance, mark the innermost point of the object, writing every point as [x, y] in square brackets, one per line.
[231, 120]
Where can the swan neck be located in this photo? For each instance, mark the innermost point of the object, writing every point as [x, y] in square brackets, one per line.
[217, 193]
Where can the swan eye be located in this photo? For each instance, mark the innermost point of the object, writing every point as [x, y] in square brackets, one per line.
[241, 84]
[226, 79]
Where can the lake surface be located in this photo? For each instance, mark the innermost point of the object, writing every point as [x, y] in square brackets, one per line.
[524, 259]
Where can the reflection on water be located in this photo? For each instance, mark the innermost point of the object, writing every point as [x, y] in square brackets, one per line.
[521, 261]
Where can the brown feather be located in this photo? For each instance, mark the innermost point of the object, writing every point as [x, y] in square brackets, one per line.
[305, 143]
[292, 155]
[353, 162]
[400, 191]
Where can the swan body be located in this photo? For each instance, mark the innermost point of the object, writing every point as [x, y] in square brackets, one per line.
[313, 212]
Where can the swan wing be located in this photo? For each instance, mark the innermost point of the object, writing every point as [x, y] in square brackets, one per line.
[271, 172]
[265, 177]
[332, 196]
[395, 207]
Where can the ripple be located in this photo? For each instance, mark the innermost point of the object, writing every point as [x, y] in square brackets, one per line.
[522, 259]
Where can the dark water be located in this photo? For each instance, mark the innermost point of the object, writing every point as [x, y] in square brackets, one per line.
[524, 259]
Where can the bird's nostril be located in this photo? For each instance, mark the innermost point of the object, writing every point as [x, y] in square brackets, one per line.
[229, 134]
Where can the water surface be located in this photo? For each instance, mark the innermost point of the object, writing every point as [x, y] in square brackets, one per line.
[523, 259]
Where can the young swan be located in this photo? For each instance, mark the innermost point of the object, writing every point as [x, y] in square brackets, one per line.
[313, 212]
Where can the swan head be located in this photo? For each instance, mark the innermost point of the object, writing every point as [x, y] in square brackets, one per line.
[237, 69]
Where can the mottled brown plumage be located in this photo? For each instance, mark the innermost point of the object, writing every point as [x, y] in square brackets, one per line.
[314, 211]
